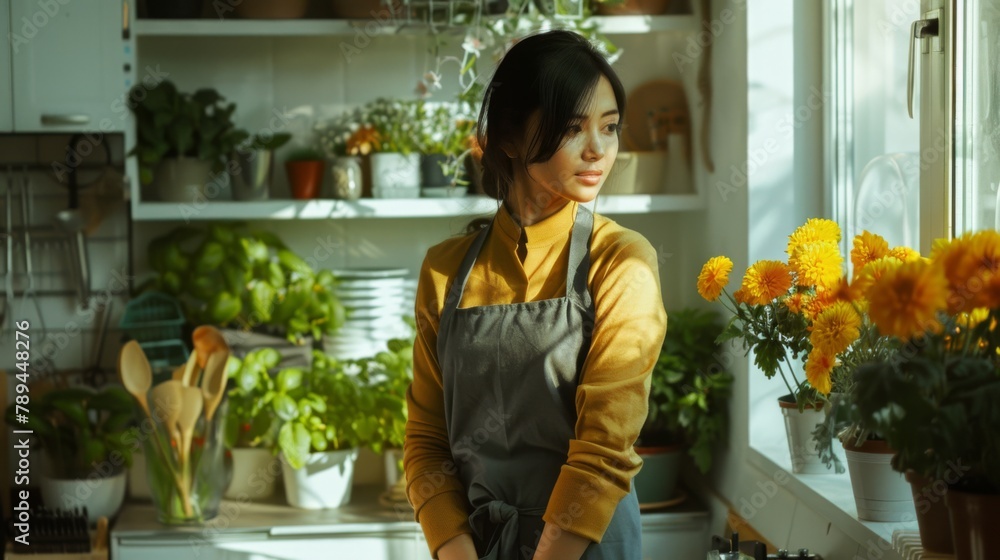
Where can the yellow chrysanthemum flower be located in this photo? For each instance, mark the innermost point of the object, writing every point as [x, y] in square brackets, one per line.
[904, 302]
[819, 366]
[989, 296]
[835, 328]
[766, 280]
[867, 248]
[815, 230]
[904, 253]
[971, 319]
[817, 264]
[713, 277]
[870, 273]
[957, 260]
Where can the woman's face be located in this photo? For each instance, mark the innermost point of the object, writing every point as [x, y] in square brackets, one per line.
[580, 166]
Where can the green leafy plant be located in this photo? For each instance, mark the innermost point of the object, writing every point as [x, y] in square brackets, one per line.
[231, 276]
[267, 142]
[690, 389]
[321, 409]
[80, 429]
[175, 124]
[938, 413]
[251, 419]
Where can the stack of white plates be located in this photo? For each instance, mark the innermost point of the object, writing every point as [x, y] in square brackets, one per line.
[376, 300]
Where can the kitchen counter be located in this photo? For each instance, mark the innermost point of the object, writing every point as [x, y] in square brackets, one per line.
[363, 529]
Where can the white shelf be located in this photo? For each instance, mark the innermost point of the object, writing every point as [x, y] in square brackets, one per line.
[386, 208]
[320, 27]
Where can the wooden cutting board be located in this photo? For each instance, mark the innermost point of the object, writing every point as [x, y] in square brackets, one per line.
[654, 110]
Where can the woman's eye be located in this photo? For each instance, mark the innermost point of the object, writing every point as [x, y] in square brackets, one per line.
[611, 128]
[573, 129]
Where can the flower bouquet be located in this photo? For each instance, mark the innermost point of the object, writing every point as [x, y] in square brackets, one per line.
[807, 313]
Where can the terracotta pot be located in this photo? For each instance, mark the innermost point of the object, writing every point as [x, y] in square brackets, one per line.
[932, 513]
[634, 7]
[268, 9]
[974, 517]
[305, 178]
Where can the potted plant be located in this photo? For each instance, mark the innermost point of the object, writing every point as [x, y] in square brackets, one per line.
[386, 377]
[688, 404]
[442, 138]
[345, 140]
[83, 435]
[231, 276]
[252, 424]
[183, 138]
[326, 416]
[250, 166]
[934, 402]
[395, 161]
[304, 168]
[803, 313]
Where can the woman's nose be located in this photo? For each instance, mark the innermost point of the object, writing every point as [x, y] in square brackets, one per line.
[594, 150]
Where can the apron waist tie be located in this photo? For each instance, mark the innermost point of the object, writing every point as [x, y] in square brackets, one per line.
[496, 524]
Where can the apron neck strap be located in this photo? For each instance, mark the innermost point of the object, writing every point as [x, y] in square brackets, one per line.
[577, 269]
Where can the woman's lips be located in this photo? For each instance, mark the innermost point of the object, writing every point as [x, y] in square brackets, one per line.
[589, 178]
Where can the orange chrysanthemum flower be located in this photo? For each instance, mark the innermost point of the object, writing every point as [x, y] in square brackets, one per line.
[818, 304]
[713, 277]
[836, 328]
[797, 302]
[819, 366]
[904, 302]
[742, 296]
[815, 230]
[363, 141]
[766, 280]
[867, 248]
[817, 264]
[904, 254]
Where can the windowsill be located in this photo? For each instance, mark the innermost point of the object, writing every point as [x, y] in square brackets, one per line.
[829, 495]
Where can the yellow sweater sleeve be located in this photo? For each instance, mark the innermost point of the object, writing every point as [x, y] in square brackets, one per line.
[433, 488]
[612, 397]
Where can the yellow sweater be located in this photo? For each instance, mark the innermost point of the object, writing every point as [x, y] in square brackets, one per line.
[611, 399]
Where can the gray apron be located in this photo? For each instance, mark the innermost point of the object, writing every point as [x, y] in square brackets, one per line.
[510, 374]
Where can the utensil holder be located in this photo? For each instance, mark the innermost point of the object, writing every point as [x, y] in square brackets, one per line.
[186, 492]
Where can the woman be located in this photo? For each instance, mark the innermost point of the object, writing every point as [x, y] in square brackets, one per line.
[537, 334]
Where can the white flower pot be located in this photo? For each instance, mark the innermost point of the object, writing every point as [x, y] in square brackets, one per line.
[799, 427]
[255, 472]
[183, 180]
[102, 496]
[395, 175]
[880, 493]
[324, 481]
[392, 473]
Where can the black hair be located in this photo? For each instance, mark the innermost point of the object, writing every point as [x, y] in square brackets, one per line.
[554, 73]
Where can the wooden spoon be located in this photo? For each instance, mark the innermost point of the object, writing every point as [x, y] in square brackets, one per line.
[190, 410]
[167, 399]
[135, 373]
[213, 382]
[191, 371]
[208, 340]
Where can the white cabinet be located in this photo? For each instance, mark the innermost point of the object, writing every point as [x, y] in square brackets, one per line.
[70, 65]
[6, 91]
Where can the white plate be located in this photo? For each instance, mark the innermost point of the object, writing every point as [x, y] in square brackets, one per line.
[443, 192]
[349, 273]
